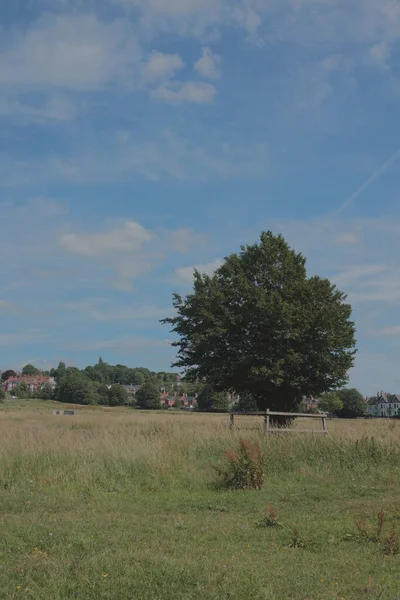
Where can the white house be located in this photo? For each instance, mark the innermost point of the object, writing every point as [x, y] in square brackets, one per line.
[384, 405]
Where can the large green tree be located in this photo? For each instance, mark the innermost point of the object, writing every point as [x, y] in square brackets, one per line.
[261, 325]
[2, 394]
[148, 397]
[354, 404]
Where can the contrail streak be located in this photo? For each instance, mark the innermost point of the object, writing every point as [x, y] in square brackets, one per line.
[369, 181]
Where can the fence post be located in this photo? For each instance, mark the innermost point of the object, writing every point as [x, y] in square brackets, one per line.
[324, 425]
[266, 422]
[232, 423]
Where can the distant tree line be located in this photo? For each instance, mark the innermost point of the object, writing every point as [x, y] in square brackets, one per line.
[348, 403]
[101, 384]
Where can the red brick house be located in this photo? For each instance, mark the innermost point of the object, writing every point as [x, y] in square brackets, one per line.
[34, 382]
[177, 401]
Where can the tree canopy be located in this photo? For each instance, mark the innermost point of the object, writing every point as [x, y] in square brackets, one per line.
[211, 401]
[101, 383]
[353, 402]
[75, 388]
[148, 397]
[30, 370]
[260, 325]
[46, 392]
[7, 374]
[22, 390]
[117, 395]
[331, 403]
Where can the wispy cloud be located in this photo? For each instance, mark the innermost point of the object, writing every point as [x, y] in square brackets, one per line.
[76, 52]
[131, 236]
[161, 66]
[177, 92]
[209, 64]
[370, 181]
[166, 155]
[186, 273]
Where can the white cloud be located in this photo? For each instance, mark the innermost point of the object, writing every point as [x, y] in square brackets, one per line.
[186, 17]
[354, 274]
[317, 81]
[131, 236]
[209, 64]
[347, 238]
[299, 21]
[120, 254]
[186, 240]
[191, 91]
[186, 273]
[249, 19]
[122, 157]
[380, 54]
[161, 66]
[77, 52]
[367, 272]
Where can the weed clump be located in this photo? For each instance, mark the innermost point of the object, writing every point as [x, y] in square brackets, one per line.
[389, 545]
[270, 518]
[243, 469]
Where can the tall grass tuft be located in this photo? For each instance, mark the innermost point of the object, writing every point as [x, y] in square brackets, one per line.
[243, 469]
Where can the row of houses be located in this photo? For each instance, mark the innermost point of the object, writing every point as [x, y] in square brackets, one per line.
[34, 382]
[177, 400]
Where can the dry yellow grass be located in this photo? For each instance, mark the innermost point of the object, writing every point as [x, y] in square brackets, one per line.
[35, 430]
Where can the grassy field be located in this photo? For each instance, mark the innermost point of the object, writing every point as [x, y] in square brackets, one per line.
[121, 504]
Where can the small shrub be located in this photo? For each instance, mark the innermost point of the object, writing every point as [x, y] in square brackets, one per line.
[391, 545]
[297, 541]
[270, 519]
[362, 529]
[243, 469]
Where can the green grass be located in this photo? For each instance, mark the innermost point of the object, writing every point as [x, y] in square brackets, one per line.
[124, 505]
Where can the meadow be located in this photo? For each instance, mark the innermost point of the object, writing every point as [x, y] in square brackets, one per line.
[121, 504]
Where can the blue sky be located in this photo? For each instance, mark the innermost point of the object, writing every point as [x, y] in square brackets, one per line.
[139, 138]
